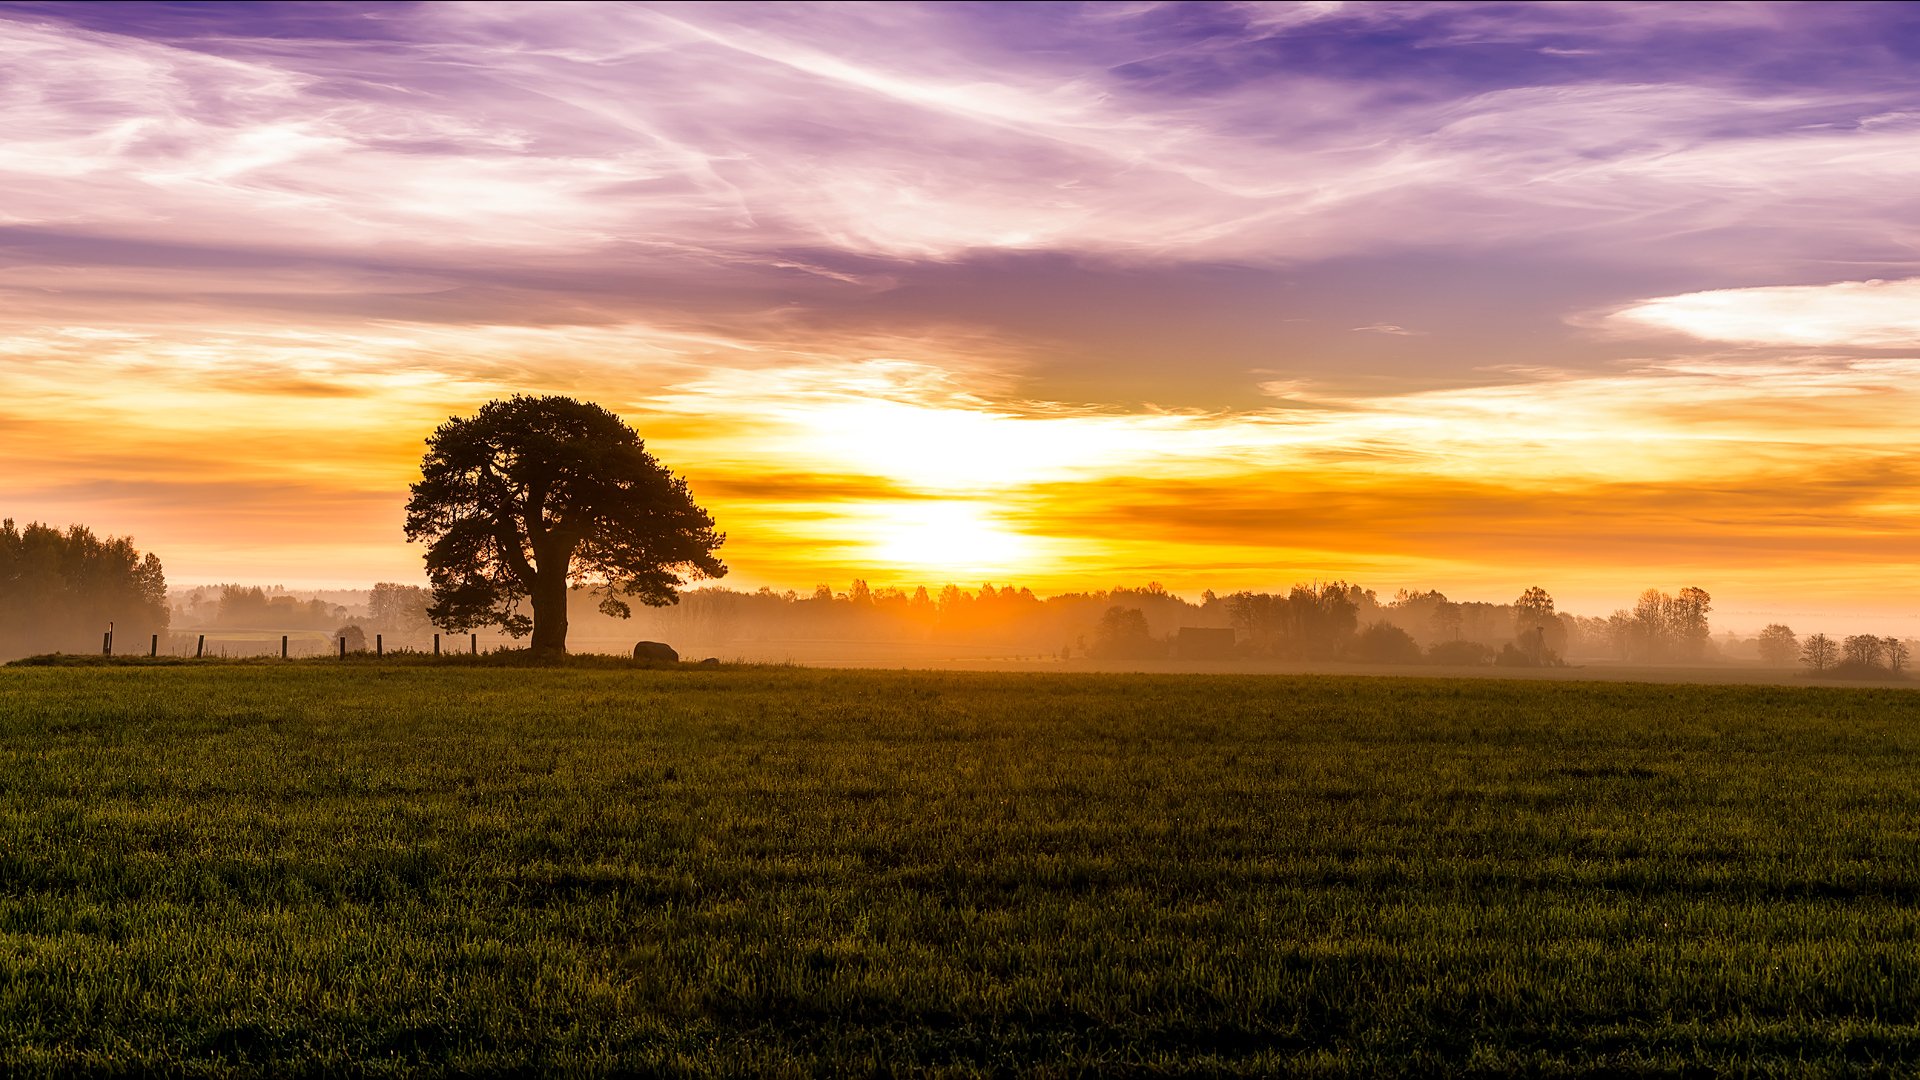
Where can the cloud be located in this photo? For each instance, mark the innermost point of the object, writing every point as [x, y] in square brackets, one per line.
[1871, 314]
[526, 131]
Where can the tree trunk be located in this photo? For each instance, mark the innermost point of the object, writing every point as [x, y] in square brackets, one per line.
[549, 596]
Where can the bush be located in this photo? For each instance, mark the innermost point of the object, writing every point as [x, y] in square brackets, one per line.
[1512, 655]
[1385, 643]
[1856, 669]
[1460, 654]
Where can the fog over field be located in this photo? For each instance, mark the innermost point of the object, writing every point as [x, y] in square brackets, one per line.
[1005, 628]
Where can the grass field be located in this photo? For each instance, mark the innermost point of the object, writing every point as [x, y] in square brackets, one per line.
[367, 868]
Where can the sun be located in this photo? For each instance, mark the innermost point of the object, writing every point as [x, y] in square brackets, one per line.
[946, 538]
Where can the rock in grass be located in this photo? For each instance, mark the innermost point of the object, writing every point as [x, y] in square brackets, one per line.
[658, 651]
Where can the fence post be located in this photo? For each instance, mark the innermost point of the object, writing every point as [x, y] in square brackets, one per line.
[283, 646]
[343, 647]
[106, 643]
[200, 649]
[474, 639]
[154, 649]
[379, 645]
[436, 644]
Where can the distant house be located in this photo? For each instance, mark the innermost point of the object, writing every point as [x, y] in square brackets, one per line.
[1203, 643]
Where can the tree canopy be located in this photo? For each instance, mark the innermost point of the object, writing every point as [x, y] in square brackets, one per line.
[535, 495]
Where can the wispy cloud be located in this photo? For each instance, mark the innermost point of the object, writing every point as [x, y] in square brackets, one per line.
[1871, 314]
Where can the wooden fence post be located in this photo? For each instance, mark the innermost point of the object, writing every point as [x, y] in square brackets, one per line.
[379, 645]
[106, 643]
[200, 649]
[154, 649]
[283, 646]
[474, 639]
[436, 644]
[343, 647]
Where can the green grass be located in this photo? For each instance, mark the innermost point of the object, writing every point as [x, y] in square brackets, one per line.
[403, 868]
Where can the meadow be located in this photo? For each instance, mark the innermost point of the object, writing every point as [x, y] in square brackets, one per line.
[404, 867]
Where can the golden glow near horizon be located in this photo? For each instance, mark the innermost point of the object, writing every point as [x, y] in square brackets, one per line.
[909, 303]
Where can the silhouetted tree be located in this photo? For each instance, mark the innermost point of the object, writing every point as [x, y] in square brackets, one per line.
[1862, 651]
[1532, 611]
[1819, 652]
[1649, 636]
[1778, 646]
[1123, 635]
[1897, 654]
[1687, 622]
[1662, 627]
[534, 495]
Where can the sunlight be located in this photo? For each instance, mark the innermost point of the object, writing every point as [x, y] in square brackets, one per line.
[945, 540]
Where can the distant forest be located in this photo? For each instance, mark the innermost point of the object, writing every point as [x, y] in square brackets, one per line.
[60, 591]
[1323, 621]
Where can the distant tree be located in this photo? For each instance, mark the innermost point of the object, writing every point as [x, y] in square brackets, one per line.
[1123, 635]
[1385, 643]
[355, 635]
[400, 609]
[1819, 652]
[1778, 645]
[1649, 635]
[1533, 610]
[1623, 633]
[1311, 620]
[59, 591]
[1446, 620]
[1862, 651]
[1897, 653]
[1662, 627]
[1687, 622]
[254, 608]
[534, 495]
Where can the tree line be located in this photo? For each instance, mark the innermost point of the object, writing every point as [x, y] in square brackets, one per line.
[1857, 655]
[60, 589]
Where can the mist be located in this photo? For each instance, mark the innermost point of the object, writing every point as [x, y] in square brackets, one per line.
[72, 592]
[1318, 626]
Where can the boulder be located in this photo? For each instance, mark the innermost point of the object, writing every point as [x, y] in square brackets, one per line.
[657, 651]
[711, 661]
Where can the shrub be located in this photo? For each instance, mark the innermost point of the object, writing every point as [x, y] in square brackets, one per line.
[1460, 654]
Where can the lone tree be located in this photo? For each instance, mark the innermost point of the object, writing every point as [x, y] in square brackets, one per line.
[534, 495]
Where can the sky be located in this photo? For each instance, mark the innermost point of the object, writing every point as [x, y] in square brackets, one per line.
[1469, 296]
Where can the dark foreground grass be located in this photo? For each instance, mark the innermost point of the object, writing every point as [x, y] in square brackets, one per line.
[368, 869]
